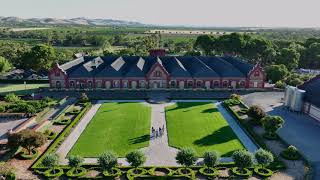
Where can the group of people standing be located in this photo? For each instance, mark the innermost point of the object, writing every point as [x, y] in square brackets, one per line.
[157, 132]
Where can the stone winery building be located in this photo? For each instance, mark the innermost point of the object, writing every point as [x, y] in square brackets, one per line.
[156, 72]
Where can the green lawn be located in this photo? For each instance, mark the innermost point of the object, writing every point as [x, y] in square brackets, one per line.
[20, 88]
[201, 126]
[119, 127]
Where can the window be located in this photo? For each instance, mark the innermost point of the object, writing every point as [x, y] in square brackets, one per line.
[71, 84]
[216, 84]
[199, 84]
[142, 84]
[256, 73]
[190, 84]
[173, 84]
[90, 84]
[125, 84]
[116, 84]
[58, 84]
[157, 74]
[242, 84]
[98, 84]
[225, 84]
[57, 73]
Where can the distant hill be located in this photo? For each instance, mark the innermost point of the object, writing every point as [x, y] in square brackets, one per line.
[73, 21]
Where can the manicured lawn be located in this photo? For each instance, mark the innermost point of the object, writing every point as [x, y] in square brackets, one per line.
[201, 126]
[119, 127]
[20, 88]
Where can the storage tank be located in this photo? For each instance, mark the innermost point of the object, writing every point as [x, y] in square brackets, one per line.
[289, 93]
[297, 100]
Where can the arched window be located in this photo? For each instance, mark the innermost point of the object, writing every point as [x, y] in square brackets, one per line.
[58, 84]
[216, 84]
[89, 84]
[199, 84]
[125, 84]
[71, 85]
[172, 84]
[242, 84]
[225, 84]
[190, 84]
[142, 84]
[116, 84]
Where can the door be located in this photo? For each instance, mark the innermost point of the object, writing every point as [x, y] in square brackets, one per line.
[108, 84]
[133, 84]
[255, 84]
[155, 85]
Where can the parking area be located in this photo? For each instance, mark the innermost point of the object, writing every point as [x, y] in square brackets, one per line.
[299, 130]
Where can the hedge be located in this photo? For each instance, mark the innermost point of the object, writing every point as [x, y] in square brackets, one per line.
[276, 164]
[62, 122]
[245, 174]
[25, 155]
[49, 173]
[61, 136]
[263, 172]
[72, 172]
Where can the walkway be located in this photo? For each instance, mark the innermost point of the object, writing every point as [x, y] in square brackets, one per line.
[159, 153]
[73, 137]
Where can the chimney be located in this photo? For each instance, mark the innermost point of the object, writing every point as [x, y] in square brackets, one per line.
[157, 52]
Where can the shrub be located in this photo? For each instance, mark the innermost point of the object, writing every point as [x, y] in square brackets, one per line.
[280, 85]
[186, 157]
[54, 172]
[107, 161]
[271, 124]
[2, 108]
[12, 98]
[26, 155]
[263, 172]
[27, 139]
[235, 96]
[211, 159]
[83, 98]
[75, 162]
[76, 172]
[50, 134]
[291, 153]
[50, 161]
[263, 157]
[136, 158]
[243, 159]
[242, 172]
[62, 122]
[7, 170]
[256, 113]
[231, 102]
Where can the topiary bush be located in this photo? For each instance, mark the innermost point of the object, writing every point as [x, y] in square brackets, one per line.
[107, 161]
[211, 159]
[136, 158]
[53, 173]
[231, 102]
[50, 134]
[243, 160]
[241, 172]
[263, 172]
[291, 153]
[24, 154]
[263, 157]
[256, 113]
[76, 172]
[271, 124]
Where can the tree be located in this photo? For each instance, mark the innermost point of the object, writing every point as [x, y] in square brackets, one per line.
[276, 72]
[40, 56]
[75, 162]
[84, 98]
[271, 124]
[50, 161]
[289, 57]
[5, 66]
[136, 158]
[107, 161]
[243, 159]
[263, 157]
[27, 139]
[186, 157]
[256, 113]
[211, 158]
[12, 98]
[205, 43]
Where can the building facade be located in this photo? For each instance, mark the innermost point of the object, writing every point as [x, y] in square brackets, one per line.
[311, 102]
[156, 72]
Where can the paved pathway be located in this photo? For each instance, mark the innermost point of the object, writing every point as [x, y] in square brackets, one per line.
[73, 137]
[159, 153]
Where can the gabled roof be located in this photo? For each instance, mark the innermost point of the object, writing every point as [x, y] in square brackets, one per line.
[243, 66]
[196, 67]
[312, 88]
[222, 67]
[174, 67]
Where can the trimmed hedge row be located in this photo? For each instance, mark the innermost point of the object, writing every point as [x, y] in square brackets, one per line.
[276, 164]
[58, 140]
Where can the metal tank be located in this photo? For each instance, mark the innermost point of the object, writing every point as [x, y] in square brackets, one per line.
[289, 93]
[297, 100]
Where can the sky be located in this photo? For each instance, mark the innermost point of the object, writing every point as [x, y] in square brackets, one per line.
[245, 13]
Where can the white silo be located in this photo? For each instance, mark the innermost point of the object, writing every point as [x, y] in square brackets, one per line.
[297, 100]
[289, 93]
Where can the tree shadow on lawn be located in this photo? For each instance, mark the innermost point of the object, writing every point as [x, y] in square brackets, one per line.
[139, 139]
[210, 110]
[222, 135]
[185, 105]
